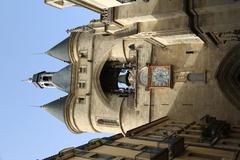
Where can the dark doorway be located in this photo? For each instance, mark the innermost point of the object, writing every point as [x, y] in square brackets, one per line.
[114, 78]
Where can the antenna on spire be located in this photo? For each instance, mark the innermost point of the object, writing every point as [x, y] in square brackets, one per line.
[40, 53]
[35, 106]
[29, 80]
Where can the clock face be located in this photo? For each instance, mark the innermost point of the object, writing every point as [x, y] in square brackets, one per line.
[160, 76]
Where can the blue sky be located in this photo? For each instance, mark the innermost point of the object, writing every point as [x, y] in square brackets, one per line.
[28, 28]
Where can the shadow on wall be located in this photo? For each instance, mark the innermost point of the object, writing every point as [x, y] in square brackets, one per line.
[195, 100]
[228, 76]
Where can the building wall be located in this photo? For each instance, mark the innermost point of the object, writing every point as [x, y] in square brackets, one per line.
[164, 32]
[98, 105]
[154, 141]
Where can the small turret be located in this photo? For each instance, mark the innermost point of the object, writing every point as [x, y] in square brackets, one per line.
[43, 80]
[60, 51]
[56, 108]
[60, 79]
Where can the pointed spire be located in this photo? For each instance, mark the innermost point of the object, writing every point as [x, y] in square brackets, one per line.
[56, 108]
[60, 51]
[62, 79]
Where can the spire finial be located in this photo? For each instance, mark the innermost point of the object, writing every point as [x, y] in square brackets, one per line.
[39, 53]
[29, 80]
[35, 106]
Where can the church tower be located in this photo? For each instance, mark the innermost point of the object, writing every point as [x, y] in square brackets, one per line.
[143, 60]
[60, 79]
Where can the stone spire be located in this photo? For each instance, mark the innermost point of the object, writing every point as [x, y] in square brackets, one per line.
[60, 51]
[56, 108]
[60, 79]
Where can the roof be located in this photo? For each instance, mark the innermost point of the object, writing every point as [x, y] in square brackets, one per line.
[60, 51]
[56, 108]
[62, 79]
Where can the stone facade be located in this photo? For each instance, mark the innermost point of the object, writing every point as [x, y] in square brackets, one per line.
[111, 62]
[163, 139]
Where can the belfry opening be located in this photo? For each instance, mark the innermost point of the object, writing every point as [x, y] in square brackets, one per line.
[117, 78]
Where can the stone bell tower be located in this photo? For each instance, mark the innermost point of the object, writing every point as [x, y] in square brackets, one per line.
[144, 60]
[43, 80]
[60, 79]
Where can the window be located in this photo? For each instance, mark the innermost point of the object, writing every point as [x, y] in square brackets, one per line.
[125, 1]
[151, 149]
[82, 84]
[48, 85]
[109, 122]
[159, 136]
[81, 100]
[127, 145]
[92, 155]
[80, 153]
[83, 53]
[190, 52]
[47, 78]
[156, 154]
[83, 69]
[204, 156]
[102, 156]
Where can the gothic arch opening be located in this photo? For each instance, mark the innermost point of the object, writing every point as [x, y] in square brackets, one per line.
[117, 78]
[228, 76]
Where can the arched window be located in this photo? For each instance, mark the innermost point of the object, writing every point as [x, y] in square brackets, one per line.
[82, 84]
[47, 78]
